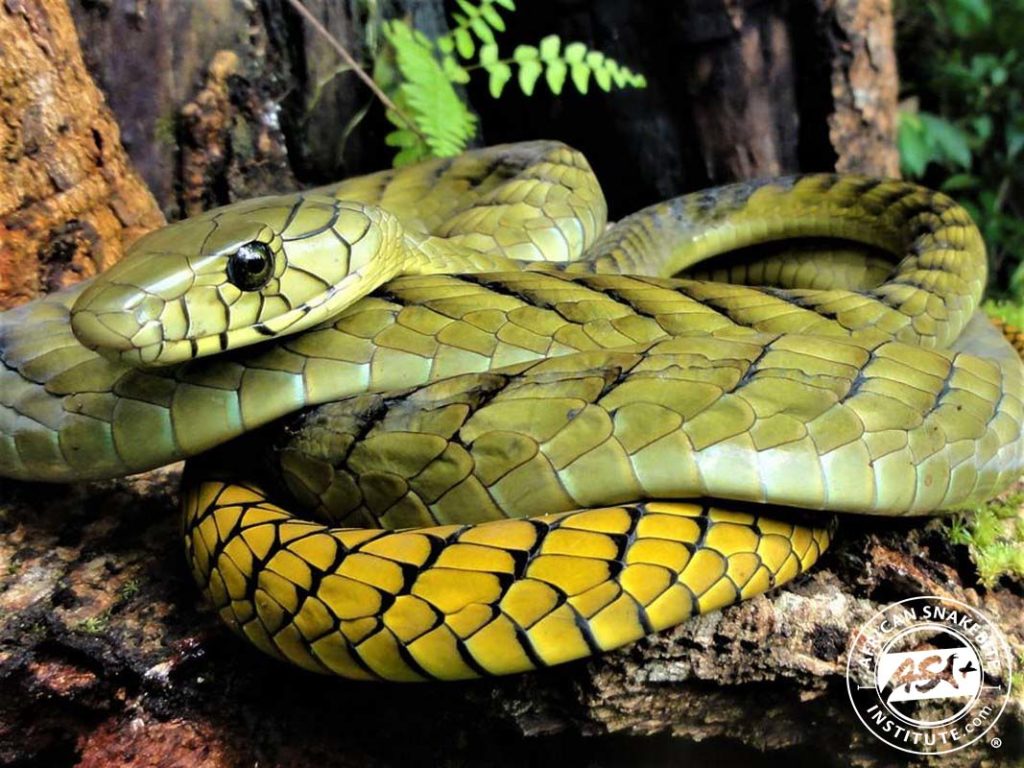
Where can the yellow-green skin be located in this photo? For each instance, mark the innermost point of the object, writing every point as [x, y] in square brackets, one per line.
[482, 389]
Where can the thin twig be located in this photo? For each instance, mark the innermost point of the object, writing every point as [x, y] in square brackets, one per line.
[360, 72]
[1001, 194]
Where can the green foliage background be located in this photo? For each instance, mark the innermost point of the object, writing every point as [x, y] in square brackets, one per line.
[962, 117]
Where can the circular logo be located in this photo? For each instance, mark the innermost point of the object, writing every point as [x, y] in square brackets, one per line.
[929, 675]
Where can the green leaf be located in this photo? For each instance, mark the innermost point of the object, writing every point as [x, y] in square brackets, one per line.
[488, 54]
[574, 53]
[982, 125]
[455, 71]
[482, 30]
[915, 153]
[421, 74]
[422, 39]
[973, 210]
[949, 139]
[524, 53]
[555, 75]
[401, 137]
[1015, 138]
[618, 76]
[549, 48]
[580, 77]
[967, 17]
[529, 71]
[1017, 280]
[982, 65]
[959, 182]
[464, 42]
[352, 123]
[492, 17]
[408, 156]
[499, 75]
[989, 201]
[979, 10]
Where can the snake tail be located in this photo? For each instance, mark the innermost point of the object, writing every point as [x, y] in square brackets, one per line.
[462, 601]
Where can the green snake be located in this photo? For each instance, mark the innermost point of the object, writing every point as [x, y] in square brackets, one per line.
[533, 441]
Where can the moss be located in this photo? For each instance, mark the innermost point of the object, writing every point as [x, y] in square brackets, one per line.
[94, 625]
[1009, 312]
[37, 630]
[165, 130]
[994, 535]
[1017, 678]
[128, 590]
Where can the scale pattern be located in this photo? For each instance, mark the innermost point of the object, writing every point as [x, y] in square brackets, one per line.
[882, 429]
[504, 356]
[461, 601]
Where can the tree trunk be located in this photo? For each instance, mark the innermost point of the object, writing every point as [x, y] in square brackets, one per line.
[69, 201]
[107, 656]
[737, 89]
[238, 99]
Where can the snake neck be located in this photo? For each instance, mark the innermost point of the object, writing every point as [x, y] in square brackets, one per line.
[432, 255]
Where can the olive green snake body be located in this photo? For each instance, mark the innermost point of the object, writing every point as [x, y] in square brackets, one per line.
[579, 448]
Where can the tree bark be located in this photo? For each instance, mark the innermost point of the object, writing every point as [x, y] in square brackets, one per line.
[737, 89]
[69, 201]
[238, 99]
[107, 656]
[864, 85]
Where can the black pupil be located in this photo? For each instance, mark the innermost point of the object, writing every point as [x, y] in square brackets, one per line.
[249, 267]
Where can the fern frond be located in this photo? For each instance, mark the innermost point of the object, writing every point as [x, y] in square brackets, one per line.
[480, 20]
[548, 58]
[419, 76]
[425, 92]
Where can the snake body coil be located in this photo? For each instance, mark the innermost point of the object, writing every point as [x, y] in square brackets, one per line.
[581, 447]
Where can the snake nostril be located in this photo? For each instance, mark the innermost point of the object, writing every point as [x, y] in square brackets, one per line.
[103, 331]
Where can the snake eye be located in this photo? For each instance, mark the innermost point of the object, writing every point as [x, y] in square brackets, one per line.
[251, 266]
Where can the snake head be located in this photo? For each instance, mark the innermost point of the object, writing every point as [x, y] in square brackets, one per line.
[236, 275]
